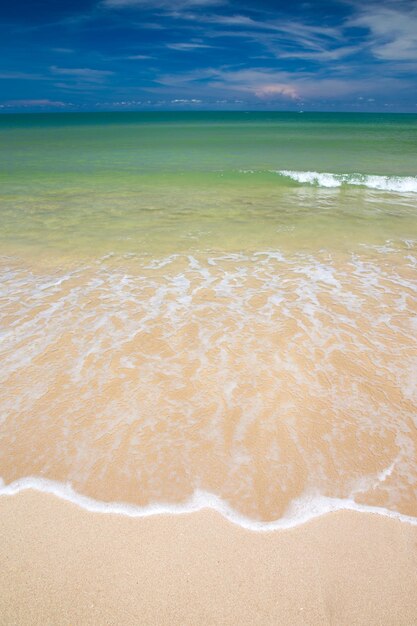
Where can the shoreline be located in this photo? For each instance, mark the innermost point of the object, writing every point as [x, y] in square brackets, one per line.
[62, 564]
[301, 511]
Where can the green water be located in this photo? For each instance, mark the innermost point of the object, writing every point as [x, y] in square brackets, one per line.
[75, 185]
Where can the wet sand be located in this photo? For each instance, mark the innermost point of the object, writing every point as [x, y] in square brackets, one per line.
[255, 378]
[63, 565]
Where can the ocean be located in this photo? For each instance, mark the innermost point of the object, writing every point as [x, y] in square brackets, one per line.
[210, 309]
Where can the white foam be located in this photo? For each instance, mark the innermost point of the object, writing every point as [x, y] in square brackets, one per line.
[399, 184]
[106, 310]
[300, 511]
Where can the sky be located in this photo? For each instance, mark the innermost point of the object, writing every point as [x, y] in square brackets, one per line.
[104, 55]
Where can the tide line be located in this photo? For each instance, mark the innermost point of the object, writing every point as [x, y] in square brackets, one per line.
[301, 510]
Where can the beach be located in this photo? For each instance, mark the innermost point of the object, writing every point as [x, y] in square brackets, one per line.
[207, 326]
[63, 565]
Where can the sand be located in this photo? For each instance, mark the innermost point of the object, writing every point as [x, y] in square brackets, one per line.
[63, 565]
[254, 378]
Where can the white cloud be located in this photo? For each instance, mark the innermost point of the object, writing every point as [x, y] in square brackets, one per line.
[392, 29]
[186, 101]
[20, 76]
[84, 74]
[283, 38]
[63, 50]
[268, 92]
[258, 83]
[35, 103]
[323, 55]
[263, 84]
[187, 46]
[266, 85]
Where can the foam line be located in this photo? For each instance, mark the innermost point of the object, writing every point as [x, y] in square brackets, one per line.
[300, 511]
[399, 184]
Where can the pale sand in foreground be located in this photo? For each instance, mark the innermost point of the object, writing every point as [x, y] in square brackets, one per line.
[63, 565]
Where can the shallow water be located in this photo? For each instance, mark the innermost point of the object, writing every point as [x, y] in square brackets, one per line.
[214, 303]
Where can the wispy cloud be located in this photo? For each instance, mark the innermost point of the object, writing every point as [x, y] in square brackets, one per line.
[321, 55]
[258, 83]
[282, 38]
[178, 52]
[392, 29]
[161, 4]
[183, 101]
[31, 104]
[265, 85]
[63, 50]
[20, 76]
[185, 47]
[84, 74]
[285, 26]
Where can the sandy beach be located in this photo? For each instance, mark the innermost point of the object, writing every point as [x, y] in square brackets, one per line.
[208, 313]
[208, 366]
[63, 565]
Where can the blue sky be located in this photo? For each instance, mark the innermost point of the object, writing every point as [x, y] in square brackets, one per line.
[208, 54]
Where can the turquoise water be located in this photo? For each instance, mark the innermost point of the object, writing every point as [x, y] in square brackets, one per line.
[77, 184]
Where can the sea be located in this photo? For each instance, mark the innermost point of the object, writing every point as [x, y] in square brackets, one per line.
[210, 309]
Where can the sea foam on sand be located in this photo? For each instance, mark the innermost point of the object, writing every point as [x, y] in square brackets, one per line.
[300, 511]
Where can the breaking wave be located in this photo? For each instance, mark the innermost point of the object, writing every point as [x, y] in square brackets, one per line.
[399, 184]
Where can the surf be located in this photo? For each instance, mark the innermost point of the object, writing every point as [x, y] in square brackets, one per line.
[396, 184]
